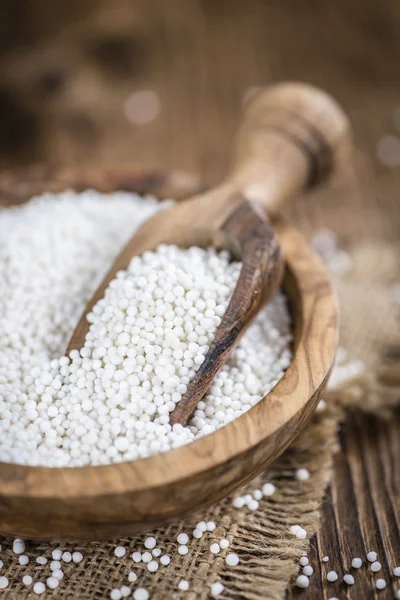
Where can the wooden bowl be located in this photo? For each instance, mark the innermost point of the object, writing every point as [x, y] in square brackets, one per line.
[117, 500]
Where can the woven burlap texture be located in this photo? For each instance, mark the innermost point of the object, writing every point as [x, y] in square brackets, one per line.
[268, 552]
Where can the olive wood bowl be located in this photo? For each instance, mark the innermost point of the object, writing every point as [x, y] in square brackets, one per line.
[88, 503]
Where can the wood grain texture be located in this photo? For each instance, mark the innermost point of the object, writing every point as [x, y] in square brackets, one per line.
[101, 502]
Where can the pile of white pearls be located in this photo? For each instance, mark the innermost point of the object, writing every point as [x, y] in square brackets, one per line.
[111, 400]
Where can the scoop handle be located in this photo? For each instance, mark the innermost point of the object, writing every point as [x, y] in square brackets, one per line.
[292, 137]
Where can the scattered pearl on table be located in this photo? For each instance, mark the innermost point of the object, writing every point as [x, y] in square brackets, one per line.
[332, 576]
[302, 581]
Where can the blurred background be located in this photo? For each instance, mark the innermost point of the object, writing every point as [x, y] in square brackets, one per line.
[161, 82]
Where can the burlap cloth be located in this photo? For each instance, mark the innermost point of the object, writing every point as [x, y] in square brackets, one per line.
[268, 552]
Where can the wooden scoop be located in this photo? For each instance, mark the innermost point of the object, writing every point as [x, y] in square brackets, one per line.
[290, 139]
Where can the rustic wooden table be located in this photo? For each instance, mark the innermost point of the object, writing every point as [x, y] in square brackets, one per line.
[64, 79]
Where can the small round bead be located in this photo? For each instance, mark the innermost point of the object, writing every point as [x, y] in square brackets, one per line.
[396, 571]
[376, 566]
[58, 573]
[302, 474]
[18, 546]
[215, 548]
[41, 560]
[150, 543]
[152, 566]
[183, 585]
[115, 594]
[146, 557]
[119, 551]
[77, 557]
[156, 552]
[52, 582]
[27, 580]
[202, 526]
[132, 577]
[197, 533]
[125, 591]
[216, 589]
[39, 588]
[308, 570]
[372, 556]
[380, 584]
[165, 560]
[332, 576]
[268, 489]
[140, 594]
[224, 544]
[57, 554]
[349, 579]
[136, 557]
[302, 581]
[3, 582]
[325, 559]
[182, 538]
[303, 561]
[183, 549]
[232, 560]
[211, 526]
[55, 564]
[356, 563]
[23, 559]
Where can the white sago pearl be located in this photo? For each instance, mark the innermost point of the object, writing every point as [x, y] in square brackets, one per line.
[146, 557]
[308, 570]
[183, 549]
[302, 581]
[380, 584]
[197, 534]
[39, 588]
[396, 571]
[356, 563]
[132, 577]
[152, 566]
[372, 556]
[183, 585]
[303, 561]
[141, 594]
[257, 494]
[125, 591]
[224, 544]
[52, 582]
[302, 474]
[115, 594]
[58, 573]
[55, 564]
[77, 557]
[57, 554]
[332, 576]
[216, 589]
[119, 551]
[376, 566]
[18, 546]
[23, 559]
[202, 526]
[268, 489]
[253, 504]
[325, 559]
[136, 557]
[215, 548]
[156, 552]
[182, 538]
[211, 526]
[41, 560]
[150, 543]
[3, 582]
[27, 580]
[349, 579]
[232, 560]
[165, 560]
